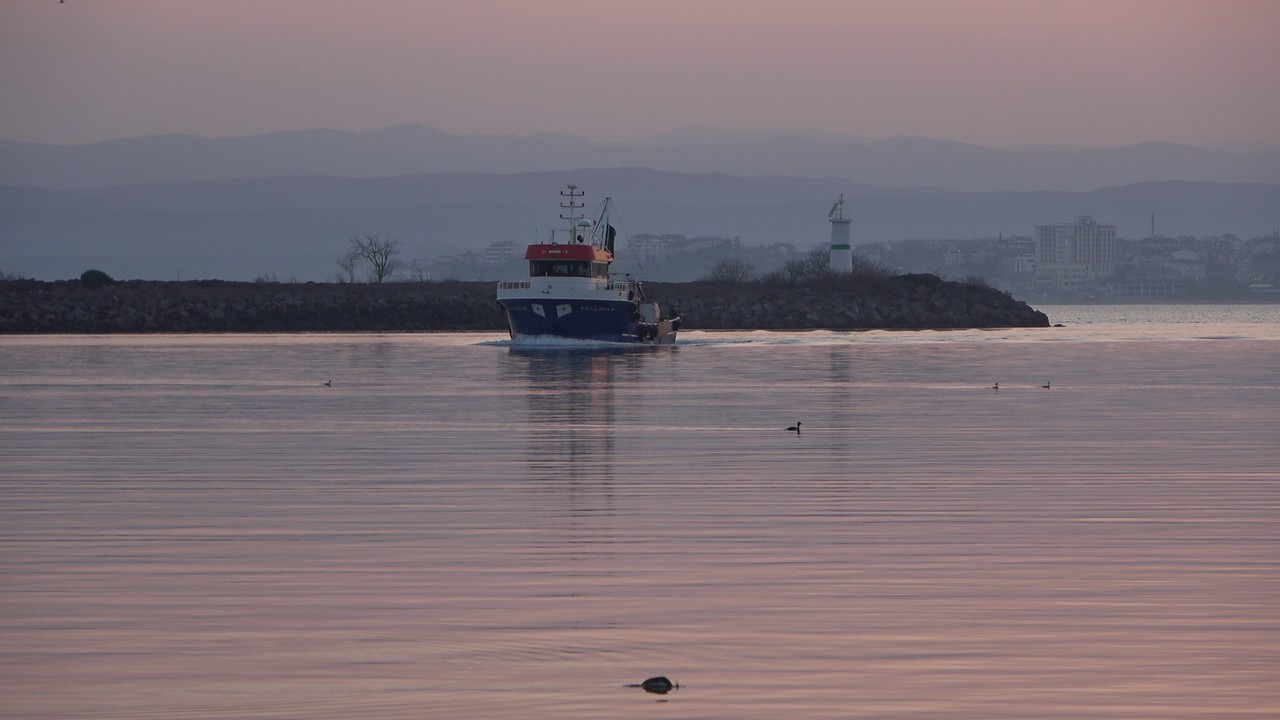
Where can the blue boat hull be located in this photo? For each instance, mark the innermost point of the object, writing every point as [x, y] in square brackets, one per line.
[598, 320]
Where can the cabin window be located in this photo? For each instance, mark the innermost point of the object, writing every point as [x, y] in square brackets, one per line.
[561, 268]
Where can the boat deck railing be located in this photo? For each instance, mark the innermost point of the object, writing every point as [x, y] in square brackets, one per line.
[524, 285]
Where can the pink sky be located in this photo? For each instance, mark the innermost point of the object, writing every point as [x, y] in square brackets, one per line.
[996, 72]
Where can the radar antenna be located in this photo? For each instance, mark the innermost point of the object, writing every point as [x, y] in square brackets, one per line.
[837, 209]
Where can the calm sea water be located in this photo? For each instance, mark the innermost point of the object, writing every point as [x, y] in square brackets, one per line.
[197, 527]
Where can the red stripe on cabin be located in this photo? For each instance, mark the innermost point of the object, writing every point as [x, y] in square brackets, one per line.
[567, 252]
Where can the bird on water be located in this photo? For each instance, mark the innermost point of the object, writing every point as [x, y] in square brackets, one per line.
[1046, 384]
[996, 386]
[659, 685]
[795, 428]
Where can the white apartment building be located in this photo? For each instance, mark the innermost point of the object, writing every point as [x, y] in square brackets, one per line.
[1070, 256]
[502, 252]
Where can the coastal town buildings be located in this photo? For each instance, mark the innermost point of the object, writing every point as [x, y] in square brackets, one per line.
[1149, 268]
[1083, 260]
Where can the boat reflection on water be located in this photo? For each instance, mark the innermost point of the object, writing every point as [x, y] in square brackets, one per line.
[572, 431]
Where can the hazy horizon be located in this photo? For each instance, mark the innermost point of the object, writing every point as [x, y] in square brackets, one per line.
[989, 72]
[684, 134]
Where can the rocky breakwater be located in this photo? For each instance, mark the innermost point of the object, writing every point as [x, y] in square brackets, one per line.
[901, 302]
[214, 306]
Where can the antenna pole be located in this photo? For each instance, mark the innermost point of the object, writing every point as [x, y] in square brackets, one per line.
[573, 206]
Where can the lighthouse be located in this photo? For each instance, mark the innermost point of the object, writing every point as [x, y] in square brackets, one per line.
[841, 248]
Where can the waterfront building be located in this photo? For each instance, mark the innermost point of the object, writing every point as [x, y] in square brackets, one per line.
[1074, 256]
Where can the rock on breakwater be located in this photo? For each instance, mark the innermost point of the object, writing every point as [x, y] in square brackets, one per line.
[905, 302]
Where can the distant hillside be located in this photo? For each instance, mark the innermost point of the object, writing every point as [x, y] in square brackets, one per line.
[295, 227]
[417, 150]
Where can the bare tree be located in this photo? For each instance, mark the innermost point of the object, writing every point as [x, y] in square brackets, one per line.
[381, 255]
[730, 270]
[348, 263]
[865, 266]
[419, 273]
[814, 264]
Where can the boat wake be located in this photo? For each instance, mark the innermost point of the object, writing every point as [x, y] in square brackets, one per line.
[554, 342]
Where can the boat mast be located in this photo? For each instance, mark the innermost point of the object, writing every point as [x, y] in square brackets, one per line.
[573, 206]
[601, 230]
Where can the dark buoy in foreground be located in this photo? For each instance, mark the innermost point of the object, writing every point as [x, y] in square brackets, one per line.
[795, 428]
[659, 685]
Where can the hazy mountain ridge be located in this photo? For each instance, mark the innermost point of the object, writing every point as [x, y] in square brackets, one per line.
[419, 149]
[296, 226]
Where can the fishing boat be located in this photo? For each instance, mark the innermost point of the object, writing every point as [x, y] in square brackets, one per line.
[569, 292]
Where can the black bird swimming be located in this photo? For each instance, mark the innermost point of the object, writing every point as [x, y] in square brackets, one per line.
[996, 386]
[328, 383]
[795, 428]
[1046, 385]
[659, 685]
